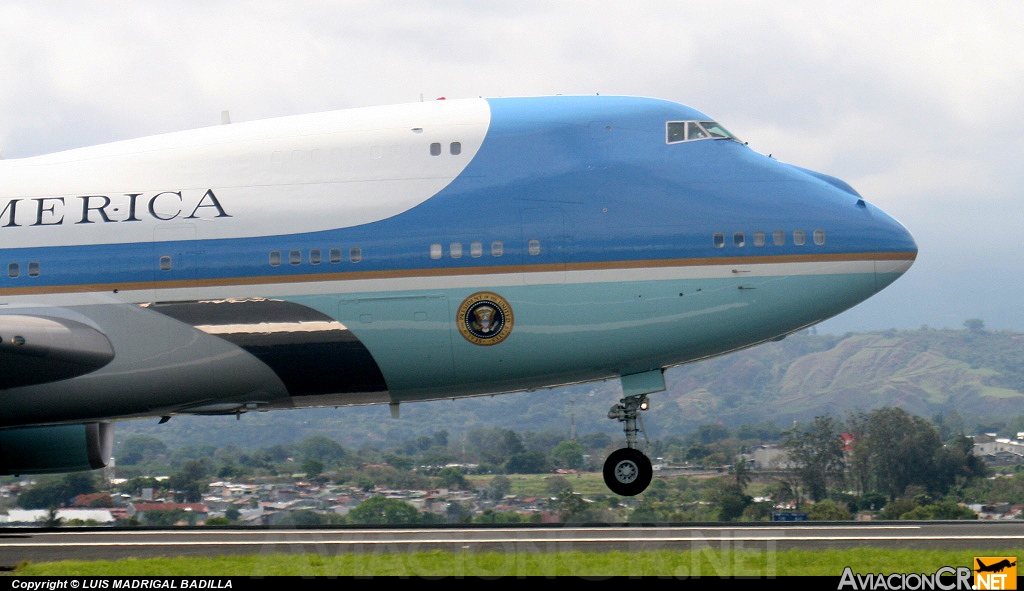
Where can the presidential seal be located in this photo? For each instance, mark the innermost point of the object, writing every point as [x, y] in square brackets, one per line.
[485, 318]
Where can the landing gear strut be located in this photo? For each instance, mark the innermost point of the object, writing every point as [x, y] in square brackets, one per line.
[628, 471]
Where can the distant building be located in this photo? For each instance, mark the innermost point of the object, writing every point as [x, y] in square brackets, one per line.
[36, 516]
[139, 510]
[768, 457]
[998, 451]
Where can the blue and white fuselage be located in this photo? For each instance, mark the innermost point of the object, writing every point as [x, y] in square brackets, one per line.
[423, 251]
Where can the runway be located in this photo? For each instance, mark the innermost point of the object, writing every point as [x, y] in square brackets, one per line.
[21, 544]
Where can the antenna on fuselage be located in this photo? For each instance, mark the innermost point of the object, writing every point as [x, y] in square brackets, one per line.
[225, 118]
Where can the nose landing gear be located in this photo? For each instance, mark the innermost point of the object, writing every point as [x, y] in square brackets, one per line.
[628, 471]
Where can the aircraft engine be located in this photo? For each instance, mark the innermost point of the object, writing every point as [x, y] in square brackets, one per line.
[57, 448]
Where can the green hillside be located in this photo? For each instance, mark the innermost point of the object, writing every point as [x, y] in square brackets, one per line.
[978, 374]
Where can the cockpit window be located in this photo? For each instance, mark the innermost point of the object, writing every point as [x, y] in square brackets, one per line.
[717, 131]
[675, 132]
[695, 132]
[689, 131]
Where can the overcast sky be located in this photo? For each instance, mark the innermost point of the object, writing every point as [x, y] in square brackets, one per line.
[917, 105]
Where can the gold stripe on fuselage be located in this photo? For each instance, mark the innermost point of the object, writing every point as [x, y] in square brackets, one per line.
[454, 272]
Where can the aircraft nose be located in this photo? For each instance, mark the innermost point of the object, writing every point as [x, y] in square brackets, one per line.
[896, 249]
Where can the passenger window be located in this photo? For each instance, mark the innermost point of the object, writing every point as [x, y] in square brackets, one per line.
[165, 263]
[33, 269]
[476, 250]
[295, 257]
[13, 270]
[436, 251]
[819, 237]
[435, 149]
[314, 256]
[275, 258]
[799, 238]
[335, 255]
[719, 239]
[533, 247]
[758, 238]
[497, 248]
[455, 148]
[455, 248]
[739, 239]
[779, 238]
[355, 255]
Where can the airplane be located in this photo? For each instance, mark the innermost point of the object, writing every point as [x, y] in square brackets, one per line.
[393, 254]
[996, 567]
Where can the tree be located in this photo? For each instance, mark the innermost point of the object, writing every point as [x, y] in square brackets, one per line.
[872, 501]
[165, 518]
[729, 499]
[382, 510]
[527, 462]
[742, 473]
[190, 482]
[708, 434]
[894, 450]
[568, 454]
[596, 442]
[308, 517]
[569, 504]
[828, 510]
[556, 484]
[312, 467]
[818, 455]
[57, 492]
[51, 519]
[134, 486]
[325, 449]
[490, 516]
[494, 446]
[453, 478]
[757, 512]
[895, 508]
[974, 324]
[498, 487]
[957, 464]
[697, 452]
[139, 448]
[455, 512]
[203, 452]
[944, 511]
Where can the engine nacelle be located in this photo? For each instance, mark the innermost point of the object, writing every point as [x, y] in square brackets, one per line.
[58, 448]
[40, 350]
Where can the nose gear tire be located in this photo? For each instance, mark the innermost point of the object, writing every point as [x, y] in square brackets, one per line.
[627, 472]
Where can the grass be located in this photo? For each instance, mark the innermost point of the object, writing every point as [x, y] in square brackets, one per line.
[706, 562]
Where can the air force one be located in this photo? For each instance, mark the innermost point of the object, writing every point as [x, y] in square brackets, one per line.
[406, 253]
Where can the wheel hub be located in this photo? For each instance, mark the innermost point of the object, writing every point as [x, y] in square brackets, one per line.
[626, 472]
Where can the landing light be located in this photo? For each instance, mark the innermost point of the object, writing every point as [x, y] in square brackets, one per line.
[643, 405]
